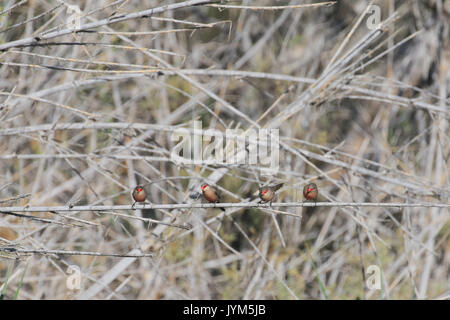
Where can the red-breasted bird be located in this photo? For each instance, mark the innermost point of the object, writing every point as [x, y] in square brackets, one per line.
[139, 194]
[210, 194]
[310, 192]
[267, 193]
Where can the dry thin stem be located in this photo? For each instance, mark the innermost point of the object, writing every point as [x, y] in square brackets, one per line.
[19, 251]
[224, 205]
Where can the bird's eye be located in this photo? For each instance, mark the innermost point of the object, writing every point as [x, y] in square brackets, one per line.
[139, 189]
[309, 189]
[264, 191]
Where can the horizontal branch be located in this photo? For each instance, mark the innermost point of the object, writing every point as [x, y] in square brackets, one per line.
[5, 212]
[175, 225]
[221, 205]
[417, 188]
[402, 101]
[78, 156]
[104, 22]
[295, 6]
[73, 253]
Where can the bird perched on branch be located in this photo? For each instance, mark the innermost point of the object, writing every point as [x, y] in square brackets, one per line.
[210, 194]
[310, 192]
[139, 194]
[267, 193]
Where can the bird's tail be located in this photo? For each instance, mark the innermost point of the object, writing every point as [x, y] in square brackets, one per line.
[278, 186]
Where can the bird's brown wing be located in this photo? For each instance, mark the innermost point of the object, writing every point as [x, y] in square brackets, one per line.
[278, 186]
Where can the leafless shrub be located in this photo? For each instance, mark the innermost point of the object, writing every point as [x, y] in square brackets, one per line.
[90, 96]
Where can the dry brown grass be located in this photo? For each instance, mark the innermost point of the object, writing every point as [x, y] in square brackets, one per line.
[86, 116]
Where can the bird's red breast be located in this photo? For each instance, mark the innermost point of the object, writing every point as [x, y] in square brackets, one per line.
[310, 191]
[139, 194]
[267, 193]
[210, 194]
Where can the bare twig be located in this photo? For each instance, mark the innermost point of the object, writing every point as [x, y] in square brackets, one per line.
[104, 22]
[73, 253]
[224, 205]
[297, 6]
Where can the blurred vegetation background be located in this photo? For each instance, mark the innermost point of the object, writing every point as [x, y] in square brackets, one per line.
[362, 112]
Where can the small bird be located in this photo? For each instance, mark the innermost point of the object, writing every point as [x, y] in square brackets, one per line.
[267, 193]
[139, 194]
[210, 194]
[310, 191]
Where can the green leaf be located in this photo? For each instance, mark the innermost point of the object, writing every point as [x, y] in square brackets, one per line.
[20, 283]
